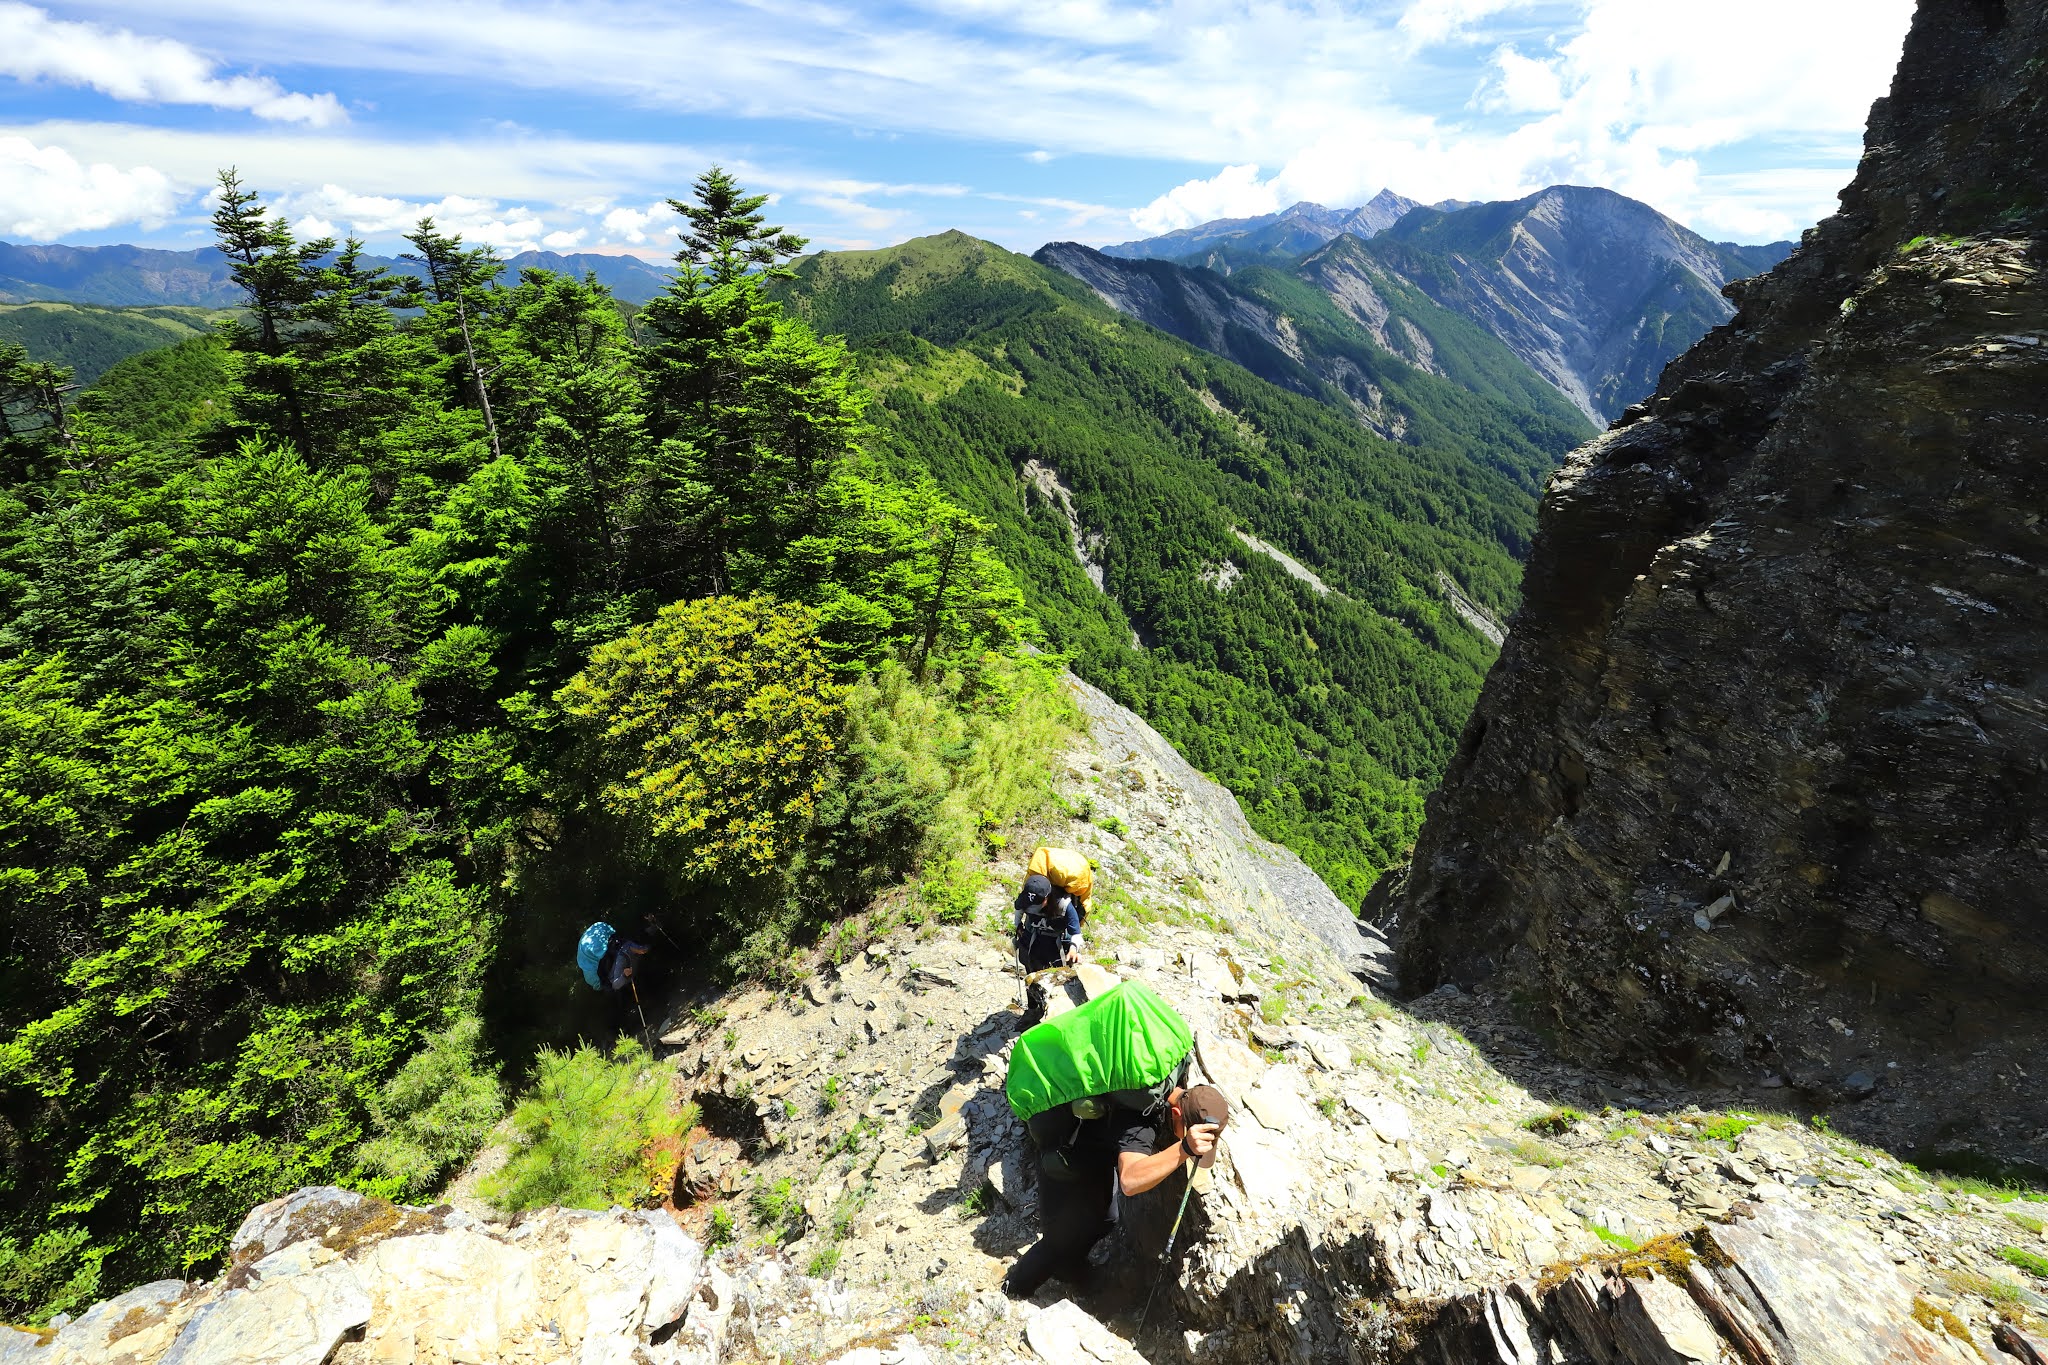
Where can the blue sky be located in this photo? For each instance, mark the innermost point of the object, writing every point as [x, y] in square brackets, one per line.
[1023, 121]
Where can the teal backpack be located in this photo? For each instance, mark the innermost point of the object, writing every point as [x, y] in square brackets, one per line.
[590, 951]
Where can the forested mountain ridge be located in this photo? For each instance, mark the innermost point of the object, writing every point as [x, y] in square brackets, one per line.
[1093, 442]
[90, 340]
[1408, 368]
[137, 276]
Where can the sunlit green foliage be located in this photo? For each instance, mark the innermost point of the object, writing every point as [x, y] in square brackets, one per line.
[715, 723]
[287, 807]
[589, 1131]
[1329, 716]
[433, 1113]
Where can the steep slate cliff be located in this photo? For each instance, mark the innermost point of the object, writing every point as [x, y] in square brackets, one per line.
[1756, 788]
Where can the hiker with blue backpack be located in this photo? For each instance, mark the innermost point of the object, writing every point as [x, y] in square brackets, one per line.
[1102, 1092]
[612, 962]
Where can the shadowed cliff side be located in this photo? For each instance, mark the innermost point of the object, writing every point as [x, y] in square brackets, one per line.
[1756, 788]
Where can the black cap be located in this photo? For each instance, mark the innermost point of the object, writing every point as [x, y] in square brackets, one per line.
[1037, 891]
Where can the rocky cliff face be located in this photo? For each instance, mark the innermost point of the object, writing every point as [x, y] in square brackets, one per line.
[1757, 787]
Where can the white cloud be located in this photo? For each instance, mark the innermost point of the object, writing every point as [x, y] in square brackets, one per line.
[1427, 22]
[337, 212]
[1635, 101]
[1524, 85]
[47, 193]
[848, 209]
[634, 225]
[131, 66]
[564, 241]
[1233, 192]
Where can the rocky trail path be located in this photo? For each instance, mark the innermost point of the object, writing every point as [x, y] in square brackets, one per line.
[1399, 1183]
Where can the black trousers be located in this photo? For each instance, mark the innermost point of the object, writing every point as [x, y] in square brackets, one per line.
[1073, 1215]
[1039, 951]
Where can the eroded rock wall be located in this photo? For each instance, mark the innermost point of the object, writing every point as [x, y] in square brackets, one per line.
[1756, 788]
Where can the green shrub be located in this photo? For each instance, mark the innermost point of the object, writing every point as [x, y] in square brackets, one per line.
[1728, 1127]
[1556, 1123]
[433, 1114]
[59, 1272]
[714, 723]
[823, 1263]
[2030, 1261]
[778, 1210]
[720, 1231]
[591, 1132]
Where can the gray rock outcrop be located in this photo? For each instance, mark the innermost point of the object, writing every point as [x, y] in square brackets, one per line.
[1756, 788]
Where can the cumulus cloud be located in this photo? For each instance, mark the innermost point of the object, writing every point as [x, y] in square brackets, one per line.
[332, 211]
[1425, 22]
[637, 225]
[131, 66]
[47, 193]
[1637, 99]
[1233, 192]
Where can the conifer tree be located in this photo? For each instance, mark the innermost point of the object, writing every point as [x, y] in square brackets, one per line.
[277, 273]
[756, 410]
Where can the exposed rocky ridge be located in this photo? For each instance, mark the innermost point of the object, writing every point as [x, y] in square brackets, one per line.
[1756, 787]
[1364, 342]
[1295, 229]
[1594, 290]
[1379, 1197]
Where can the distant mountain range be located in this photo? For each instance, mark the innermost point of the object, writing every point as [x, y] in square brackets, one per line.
[139, 276]
[1407, 369]
[1592, 290]
[1300, 228]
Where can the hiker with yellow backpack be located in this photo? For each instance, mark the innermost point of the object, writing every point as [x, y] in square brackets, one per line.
[1051, 909]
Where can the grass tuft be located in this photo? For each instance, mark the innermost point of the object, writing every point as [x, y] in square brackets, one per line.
[1555, 1123]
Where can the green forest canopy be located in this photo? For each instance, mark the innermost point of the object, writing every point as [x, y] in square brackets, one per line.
[300, 779]
[1330, 716]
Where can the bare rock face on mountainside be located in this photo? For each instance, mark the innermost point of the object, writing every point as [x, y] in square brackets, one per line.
[1593, 290]
[1757, 787]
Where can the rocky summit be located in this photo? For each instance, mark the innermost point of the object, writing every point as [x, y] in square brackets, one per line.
[1424, 1184]
[1755, 792]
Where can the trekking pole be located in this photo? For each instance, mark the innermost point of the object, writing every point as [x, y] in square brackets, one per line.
[647, 1034]
[1166, 1256]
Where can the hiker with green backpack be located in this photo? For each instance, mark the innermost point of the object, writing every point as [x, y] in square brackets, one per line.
[1102, 1092]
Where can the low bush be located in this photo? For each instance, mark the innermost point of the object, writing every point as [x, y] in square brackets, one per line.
[432, 1115]
[591, 1132]
[58, 1272]
[1555, 1123]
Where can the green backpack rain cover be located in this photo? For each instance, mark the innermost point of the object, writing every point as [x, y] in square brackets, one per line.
[1127, 1038]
